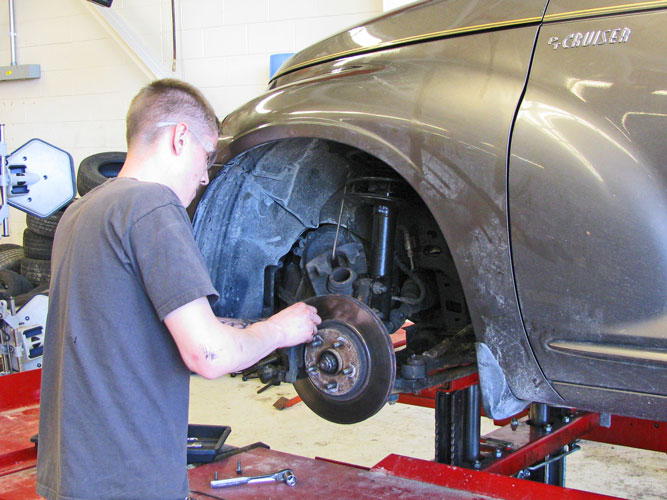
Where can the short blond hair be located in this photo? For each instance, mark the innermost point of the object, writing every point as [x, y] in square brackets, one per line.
[168, 100]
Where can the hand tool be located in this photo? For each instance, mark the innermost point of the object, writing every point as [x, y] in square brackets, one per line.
[283, 402]
[284, 476]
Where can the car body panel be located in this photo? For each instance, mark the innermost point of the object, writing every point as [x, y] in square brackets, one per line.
[559, 10]
[433, 90]
[588, 205]
[419, 22]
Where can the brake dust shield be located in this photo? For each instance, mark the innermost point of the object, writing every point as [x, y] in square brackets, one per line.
[350, 364]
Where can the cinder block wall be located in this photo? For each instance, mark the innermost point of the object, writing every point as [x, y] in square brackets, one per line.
[89, 77]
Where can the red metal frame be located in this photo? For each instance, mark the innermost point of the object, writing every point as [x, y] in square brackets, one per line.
[633, 432]
[531, 444]
[20, 389]
[426, 397]
[19, 420]
[478, 482]
[624, 431]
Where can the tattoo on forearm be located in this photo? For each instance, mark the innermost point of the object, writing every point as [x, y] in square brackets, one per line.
[209, 353]
[238, 323]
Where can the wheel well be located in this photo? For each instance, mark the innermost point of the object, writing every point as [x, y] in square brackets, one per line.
[304, 180]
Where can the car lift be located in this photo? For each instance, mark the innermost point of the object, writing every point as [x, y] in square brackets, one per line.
[524, 459]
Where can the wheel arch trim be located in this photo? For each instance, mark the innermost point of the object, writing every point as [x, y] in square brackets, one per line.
[327, 130]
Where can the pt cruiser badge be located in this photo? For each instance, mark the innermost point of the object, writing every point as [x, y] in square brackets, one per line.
[591, 38]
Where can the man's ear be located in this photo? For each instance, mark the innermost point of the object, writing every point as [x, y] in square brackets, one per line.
[178, 138]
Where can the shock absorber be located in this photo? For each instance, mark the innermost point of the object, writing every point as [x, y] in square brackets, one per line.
[382, 257]
[380, 193]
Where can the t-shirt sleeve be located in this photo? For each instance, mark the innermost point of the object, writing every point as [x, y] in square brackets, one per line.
[168, 261]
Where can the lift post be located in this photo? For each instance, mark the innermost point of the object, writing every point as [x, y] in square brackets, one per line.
[533, 445]
[457, 427]
[534, 448]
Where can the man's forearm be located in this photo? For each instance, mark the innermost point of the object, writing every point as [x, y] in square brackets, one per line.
[212, 346]
[237, 345]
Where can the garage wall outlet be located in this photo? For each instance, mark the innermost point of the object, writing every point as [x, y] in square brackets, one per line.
[20, 72]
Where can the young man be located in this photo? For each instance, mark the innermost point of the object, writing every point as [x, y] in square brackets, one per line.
[129, 315]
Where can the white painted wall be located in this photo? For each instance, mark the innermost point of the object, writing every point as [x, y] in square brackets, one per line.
[88, 78]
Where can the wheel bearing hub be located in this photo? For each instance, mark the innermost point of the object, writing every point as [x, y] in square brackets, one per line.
[335, 360]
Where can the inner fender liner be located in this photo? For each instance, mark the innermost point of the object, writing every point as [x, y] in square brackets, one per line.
[255, 209]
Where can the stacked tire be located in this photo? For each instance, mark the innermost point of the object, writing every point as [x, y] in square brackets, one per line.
[37, 247]
[97, 169]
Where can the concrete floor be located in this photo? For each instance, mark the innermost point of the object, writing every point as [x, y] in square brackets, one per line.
[401, 429]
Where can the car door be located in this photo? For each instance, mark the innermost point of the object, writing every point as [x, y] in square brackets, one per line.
[588, 204]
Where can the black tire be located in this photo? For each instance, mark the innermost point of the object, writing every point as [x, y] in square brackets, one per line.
[8, 246]
[36, 246]
[10, 257]
[44, 226]
[37, 271]
[13, 284]
[97, 169]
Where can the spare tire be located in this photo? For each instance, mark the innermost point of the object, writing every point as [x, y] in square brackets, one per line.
[97, 169]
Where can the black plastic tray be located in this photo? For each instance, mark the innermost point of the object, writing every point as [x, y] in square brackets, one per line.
[205, 442]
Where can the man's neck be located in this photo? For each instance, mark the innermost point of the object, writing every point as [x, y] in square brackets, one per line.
[148, 168]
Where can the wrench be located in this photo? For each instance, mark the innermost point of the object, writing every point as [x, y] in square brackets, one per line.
[284, 476]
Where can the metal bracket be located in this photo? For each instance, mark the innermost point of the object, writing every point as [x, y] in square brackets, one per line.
[571, 449]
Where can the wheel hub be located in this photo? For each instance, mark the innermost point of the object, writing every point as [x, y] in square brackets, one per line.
[336, 360]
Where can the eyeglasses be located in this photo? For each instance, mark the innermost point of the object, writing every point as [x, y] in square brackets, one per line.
[211, 152]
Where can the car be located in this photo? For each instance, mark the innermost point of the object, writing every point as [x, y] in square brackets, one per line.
[491, 176]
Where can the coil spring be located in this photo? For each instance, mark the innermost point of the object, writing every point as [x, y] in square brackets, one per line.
[374, 189]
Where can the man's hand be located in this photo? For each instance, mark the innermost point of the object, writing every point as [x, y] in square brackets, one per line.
[297, 323]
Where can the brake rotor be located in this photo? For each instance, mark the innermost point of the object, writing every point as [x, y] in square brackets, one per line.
[350, 363]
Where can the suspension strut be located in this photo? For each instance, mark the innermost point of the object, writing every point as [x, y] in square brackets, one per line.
[379, 192]
[382, 257]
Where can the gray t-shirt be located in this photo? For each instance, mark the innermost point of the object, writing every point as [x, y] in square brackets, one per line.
[114, 398]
